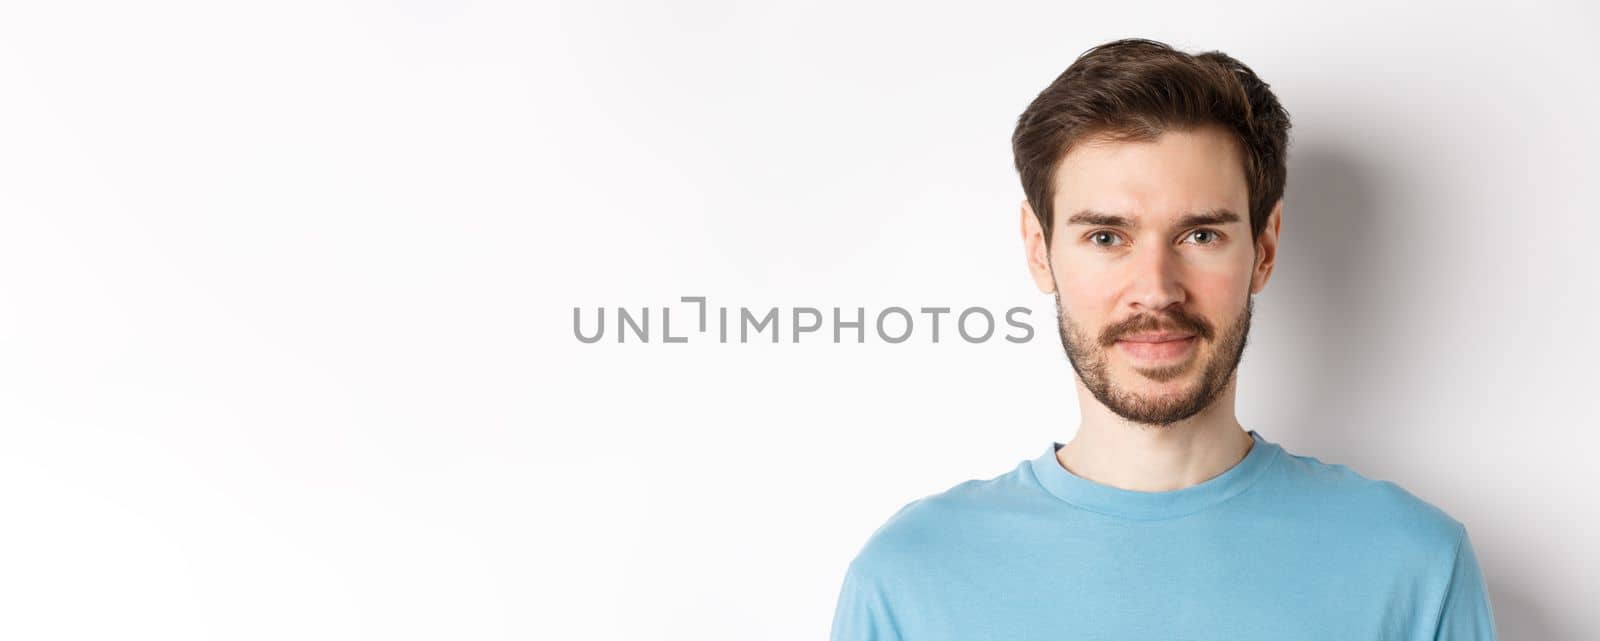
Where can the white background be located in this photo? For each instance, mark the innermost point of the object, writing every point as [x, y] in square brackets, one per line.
[286, 295]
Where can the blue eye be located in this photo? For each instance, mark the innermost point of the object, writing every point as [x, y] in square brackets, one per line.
[1215, 236]
[1211, 237]
[1093, 235]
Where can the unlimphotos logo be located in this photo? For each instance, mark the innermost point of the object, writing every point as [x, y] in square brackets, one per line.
[891, 324]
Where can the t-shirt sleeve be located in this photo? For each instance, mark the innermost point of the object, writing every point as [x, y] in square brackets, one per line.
[1466, 614]
[862, 613]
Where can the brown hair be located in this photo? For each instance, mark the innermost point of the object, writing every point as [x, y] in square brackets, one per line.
[1134, 89]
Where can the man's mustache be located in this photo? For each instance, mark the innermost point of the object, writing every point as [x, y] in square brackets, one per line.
[1178, 322]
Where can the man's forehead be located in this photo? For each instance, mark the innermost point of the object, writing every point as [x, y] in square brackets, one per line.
[1177, 174]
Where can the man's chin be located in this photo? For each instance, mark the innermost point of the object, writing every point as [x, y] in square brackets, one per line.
[1149, 393]
[1158, 378]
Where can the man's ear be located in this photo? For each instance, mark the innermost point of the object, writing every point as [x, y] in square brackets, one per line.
[1038, 252]
[1267, 249]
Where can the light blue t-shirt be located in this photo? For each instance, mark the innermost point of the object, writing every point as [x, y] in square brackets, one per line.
[1279, 547]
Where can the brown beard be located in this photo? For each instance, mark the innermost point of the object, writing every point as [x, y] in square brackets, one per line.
[1090, 360]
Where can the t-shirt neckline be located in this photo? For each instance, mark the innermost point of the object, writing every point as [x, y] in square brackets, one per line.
[1134, 504]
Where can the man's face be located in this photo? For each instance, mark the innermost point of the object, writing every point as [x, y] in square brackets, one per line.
[1153, 264]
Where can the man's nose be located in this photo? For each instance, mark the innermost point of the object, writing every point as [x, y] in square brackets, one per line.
[1155, 282]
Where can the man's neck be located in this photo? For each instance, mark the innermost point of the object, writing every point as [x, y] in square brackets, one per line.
[1111, 451]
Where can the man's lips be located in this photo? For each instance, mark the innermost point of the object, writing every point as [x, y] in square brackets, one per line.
[1157, 347]
[1155, 338]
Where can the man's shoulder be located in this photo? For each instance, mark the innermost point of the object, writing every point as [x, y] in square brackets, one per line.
[1385, 507]
[925, 527]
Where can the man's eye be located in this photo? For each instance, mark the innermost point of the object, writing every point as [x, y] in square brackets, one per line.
[1099, 234]
[1212, 237]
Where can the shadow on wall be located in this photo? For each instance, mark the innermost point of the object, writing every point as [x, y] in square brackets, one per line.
[1345, 284]
[1334, 278]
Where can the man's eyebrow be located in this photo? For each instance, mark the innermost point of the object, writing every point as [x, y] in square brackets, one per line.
[1213, 217]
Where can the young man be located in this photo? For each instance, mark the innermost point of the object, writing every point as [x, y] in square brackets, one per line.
[1154, 183]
